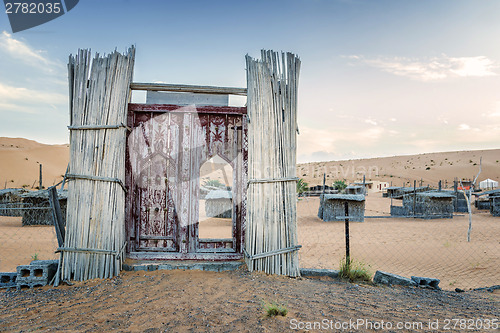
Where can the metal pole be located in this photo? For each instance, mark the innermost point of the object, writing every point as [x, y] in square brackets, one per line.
[347, 249]
[40, 186]
[364, 185]
[414, 196]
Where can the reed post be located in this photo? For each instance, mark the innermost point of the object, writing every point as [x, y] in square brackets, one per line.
[347, 245]
[271, 240]
[94, 242]
[414, 197]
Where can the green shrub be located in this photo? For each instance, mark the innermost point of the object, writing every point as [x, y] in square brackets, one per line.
[354, 271]
[273, 309]
[214, 183]
[302, 186]
[339, 185]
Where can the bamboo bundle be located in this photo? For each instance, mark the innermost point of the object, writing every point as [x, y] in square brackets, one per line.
[95, 223]
[271, 235]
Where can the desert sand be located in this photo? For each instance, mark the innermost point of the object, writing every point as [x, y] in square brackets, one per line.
[408, 247]
[180, 301]
[197, 301]
[436, 248]
[20, 159]
[403, 170]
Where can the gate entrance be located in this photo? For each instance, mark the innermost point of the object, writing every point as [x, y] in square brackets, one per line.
[166, 149]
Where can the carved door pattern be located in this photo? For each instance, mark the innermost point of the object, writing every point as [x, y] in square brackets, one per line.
[165, 150]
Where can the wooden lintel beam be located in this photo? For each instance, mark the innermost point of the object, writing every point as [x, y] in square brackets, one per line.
[188, 88]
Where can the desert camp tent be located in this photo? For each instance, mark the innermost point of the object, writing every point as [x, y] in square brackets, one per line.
[488, 184]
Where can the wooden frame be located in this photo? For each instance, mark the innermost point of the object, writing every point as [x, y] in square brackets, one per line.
[183, 138]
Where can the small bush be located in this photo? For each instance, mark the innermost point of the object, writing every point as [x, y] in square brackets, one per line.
[302, 186]
[354, 271]
[340, 185]
[214, 183]
[273, 309]
[428, 168]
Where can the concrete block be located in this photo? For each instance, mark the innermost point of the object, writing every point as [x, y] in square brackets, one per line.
[390, 279]
[426, 282]
[35, 275]
[8, 280]
[315, 272]
[30, 284]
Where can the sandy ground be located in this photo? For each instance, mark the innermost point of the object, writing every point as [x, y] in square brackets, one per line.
[409, 247]
[197, 301]
[20, 245]
[431, 248]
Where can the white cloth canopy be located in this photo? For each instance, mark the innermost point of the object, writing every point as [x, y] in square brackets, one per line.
[488, 184]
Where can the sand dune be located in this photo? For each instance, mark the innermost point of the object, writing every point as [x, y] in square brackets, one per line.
[430, 168]
[20, 160]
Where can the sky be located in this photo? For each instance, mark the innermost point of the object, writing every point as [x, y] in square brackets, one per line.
[378, 77]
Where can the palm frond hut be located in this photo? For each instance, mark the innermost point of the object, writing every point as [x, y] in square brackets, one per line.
[429, 205]
[355, 189]
[397, 192]
[11, 201]
[483, 199]
[459, 202]
[332, 207]
[41, 214]
[219, 203]
[495, 205]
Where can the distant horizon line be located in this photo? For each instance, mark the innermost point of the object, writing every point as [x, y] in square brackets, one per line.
[333, 160]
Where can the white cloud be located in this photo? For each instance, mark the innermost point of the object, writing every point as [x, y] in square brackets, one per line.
[466, 127]
[28, 96]
[472, 66]
[463, 127]
[371, 122]
[372, 134]
[19, 50]
[432, 69]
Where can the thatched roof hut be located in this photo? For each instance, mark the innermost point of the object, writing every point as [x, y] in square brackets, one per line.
[484, 199]
[11, 198]
[332, 207]
[397, 192]
[40, 212]
[355, 189]
[495, 205]
[219, 203]
[429, 205]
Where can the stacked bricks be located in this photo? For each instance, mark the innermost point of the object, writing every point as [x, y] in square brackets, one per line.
[8, 280]
[37, 274]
